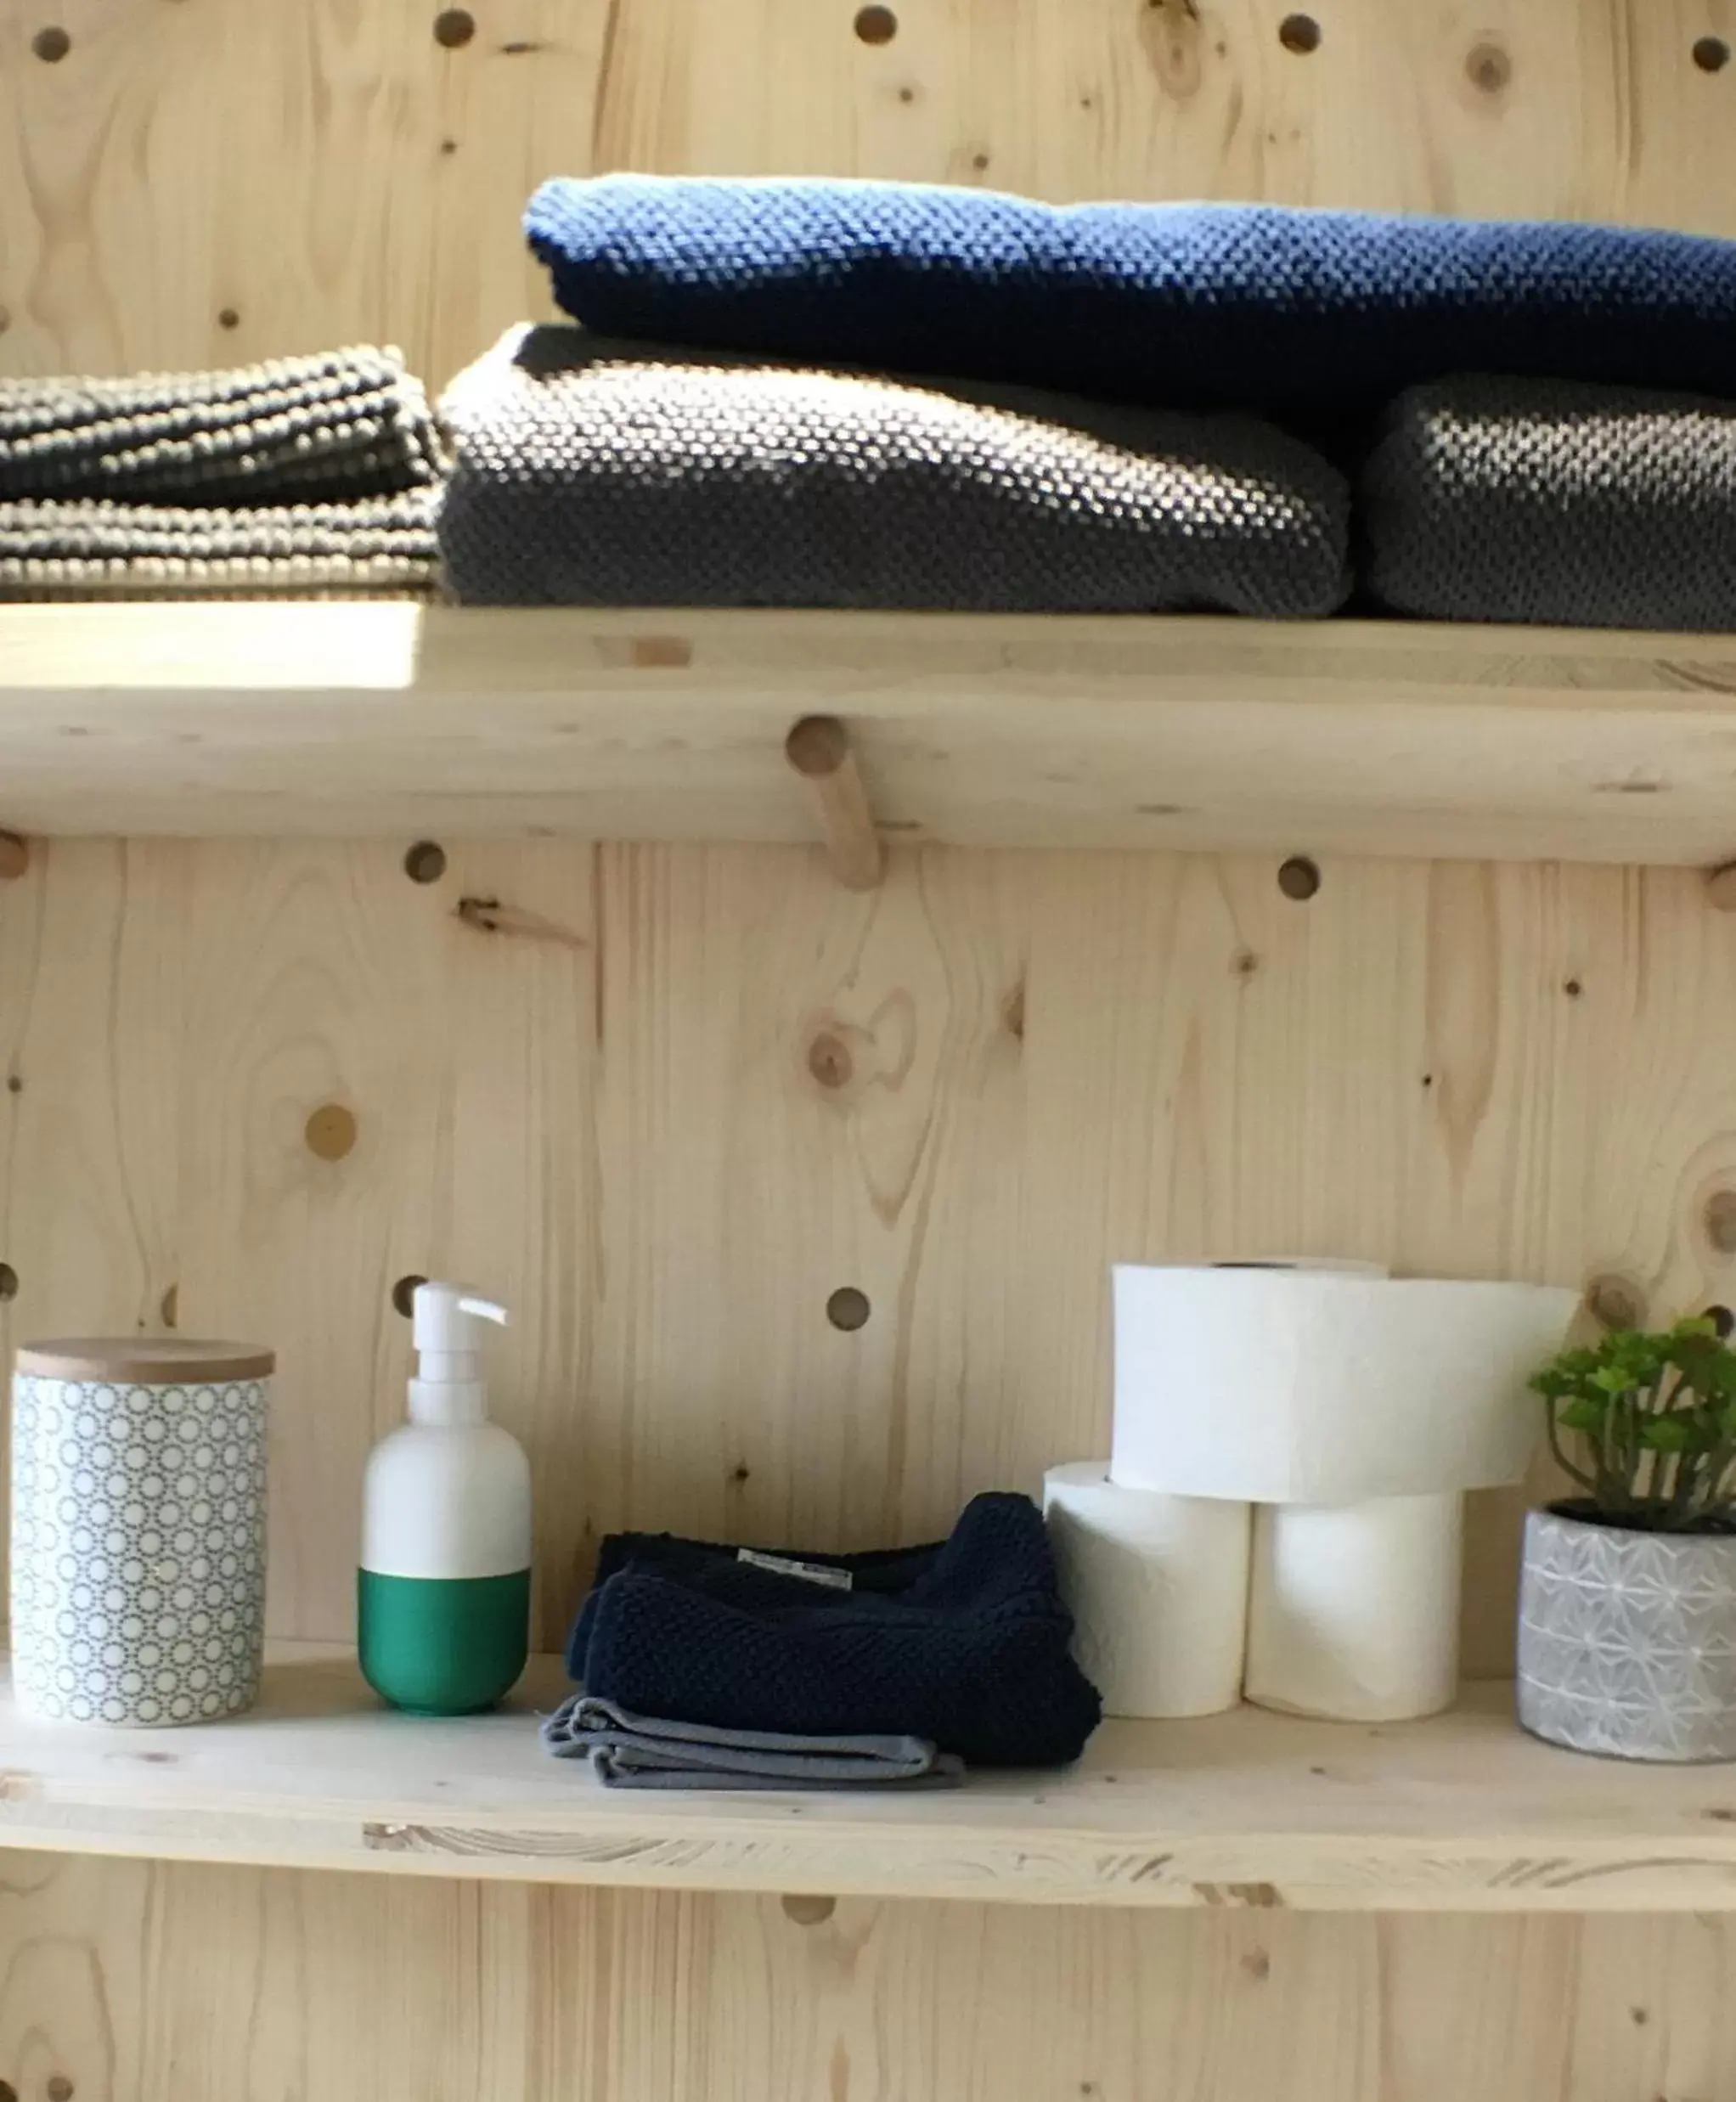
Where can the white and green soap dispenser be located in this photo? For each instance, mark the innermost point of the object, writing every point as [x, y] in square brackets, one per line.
[444, 1589]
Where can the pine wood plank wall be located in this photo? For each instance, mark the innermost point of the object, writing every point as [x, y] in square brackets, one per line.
[718, 1089]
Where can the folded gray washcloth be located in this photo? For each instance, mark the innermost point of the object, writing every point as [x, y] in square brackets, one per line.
[1545, 501]
[592, 472]
[627, 1751]
[334, 425]
[85, 548]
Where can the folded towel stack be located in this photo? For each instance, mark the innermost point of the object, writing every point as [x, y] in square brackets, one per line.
[879, 395]
[306, 473]
[1564, 491]
[892, 1665]
[838, 414]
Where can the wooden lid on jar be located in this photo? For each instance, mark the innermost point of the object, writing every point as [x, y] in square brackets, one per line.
[145, 1360]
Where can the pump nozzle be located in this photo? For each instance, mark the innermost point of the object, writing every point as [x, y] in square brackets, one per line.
[448, 1384]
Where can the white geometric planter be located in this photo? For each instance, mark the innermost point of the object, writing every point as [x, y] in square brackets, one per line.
[1627, 1640]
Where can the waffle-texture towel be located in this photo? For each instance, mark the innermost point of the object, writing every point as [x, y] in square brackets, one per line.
[963, 1643]
[334, 426]
[1503, 499]
[644, 1751]
[593, 473]
[1239, 305]
[90, 549]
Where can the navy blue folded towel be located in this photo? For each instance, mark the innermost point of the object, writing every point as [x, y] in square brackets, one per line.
[1186, 305]
[964, 1642]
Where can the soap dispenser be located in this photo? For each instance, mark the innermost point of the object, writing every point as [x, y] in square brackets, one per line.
[443, 1592]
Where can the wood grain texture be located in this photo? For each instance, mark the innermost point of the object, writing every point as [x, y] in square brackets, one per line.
[1193, 734]
[211, 180]
[141, 1982]
[721, 1088]
[691, 1092]
[1460, 1813]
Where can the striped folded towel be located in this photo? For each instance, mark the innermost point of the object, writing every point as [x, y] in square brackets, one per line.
[329, 427]
[86, 549]
[316, 476]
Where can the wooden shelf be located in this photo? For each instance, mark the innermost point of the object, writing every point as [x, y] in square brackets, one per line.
[1459, 1813]
[377, 718]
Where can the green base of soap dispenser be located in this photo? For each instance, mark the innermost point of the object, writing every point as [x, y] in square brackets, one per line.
[443, 1646]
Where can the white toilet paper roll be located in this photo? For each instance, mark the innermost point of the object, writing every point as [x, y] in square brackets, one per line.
[1354, 1610]
[1314, 1387]
[1157, 1586]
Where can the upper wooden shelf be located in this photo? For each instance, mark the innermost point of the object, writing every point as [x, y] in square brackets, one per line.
[1459, 1813]
[380, 718]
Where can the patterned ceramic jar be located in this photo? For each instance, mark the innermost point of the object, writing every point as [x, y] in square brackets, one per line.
[138, 1529]
[1627, 1640]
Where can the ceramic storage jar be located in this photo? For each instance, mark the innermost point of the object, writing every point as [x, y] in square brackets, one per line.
[138, 1470]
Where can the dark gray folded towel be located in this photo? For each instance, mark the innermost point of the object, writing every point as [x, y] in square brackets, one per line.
[1567, 505]
[596, 473]
[628, 1751]
[89, 549]
[336, 425]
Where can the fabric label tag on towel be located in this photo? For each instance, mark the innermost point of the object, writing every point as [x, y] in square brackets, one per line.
[810, 1572]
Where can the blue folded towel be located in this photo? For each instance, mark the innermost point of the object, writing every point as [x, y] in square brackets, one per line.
[964, 1642]
[1201, 305]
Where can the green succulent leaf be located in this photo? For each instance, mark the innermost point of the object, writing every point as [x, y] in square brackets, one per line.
[1585, 1414]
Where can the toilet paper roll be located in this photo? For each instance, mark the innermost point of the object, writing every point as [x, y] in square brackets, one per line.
[1354, 1610]
[1157, 1586]
[1314, 1387]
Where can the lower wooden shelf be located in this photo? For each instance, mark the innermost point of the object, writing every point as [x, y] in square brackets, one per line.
[1460, 1813]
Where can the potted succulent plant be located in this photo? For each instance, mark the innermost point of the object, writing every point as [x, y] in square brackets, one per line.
[1627, 1598]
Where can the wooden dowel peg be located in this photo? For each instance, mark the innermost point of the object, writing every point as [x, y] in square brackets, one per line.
[819, 748]
[14, 856]
[1720, 887]
[489, 916]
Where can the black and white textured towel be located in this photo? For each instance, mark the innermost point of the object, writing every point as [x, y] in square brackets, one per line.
[1552, 502]
[89, 548]
[334, 426]
[315, 476]
[591, 472]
